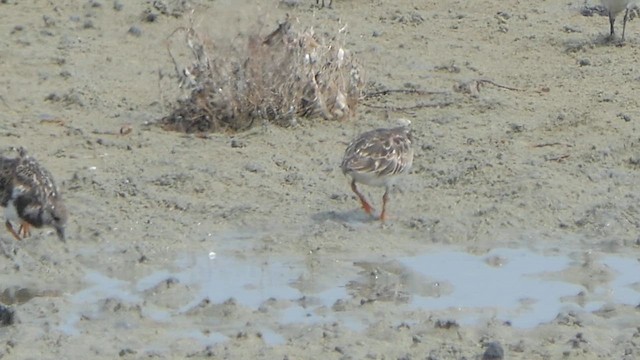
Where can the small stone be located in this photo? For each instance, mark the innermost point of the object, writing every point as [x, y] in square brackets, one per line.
[494, 351]
[7, 316]
[446, 324]
[48, 21]
[254, 168]
[125, 352]
[17, 28]
[235, 143]
[53, 97]
[291, 3]
[624, 117]
[135, 31]
[148, 16]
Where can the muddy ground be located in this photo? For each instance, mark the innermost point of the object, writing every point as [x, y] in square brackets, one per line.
[182, 246]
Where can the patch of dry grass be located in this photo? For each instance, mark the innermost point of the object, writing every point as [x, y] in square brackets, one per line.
[281, 77]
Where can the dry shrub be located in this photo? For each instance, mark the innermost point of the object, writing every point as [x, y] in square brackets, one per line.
[279, 78]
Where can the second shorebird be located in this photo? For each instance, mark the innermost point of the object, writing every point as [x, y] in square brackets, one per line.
[30, 196]
[615, 7]
[377, 158]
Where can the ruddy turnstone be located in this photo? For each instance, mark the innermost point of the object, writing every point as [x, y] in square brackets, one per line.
[614, 7]
[30, 196]
[377, 158]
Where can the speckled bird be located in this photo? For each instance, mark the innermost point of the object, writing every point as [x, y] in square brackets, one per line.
[377, 158]
[30, 196]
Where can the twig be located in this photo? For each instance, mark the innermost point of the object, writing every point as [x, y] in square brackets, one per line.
[401, 91]
[54, 121]
[631, 220]
[125, 129]
[407, 108]
[4, 101]
[175, 62]
[487, 81]
[405, 91]
[558, 158]
[472, 87]
[552, 144]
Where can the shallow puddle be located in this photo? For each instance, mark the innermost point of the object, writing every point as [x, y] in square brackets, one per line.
[503, 282]
[521, 287]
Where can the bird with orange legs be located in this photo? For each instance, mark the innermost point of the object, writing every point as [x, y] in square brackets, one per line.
[378, 158]
[29, 196]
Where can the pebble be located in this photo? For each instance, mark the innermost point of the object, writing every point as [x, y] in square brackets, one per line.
[135, 31]
[7, 316]
[494, 351]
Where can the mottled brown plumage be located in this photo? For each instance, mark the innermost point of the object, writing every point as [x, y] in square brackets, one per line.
[30, 196]
[377, 158]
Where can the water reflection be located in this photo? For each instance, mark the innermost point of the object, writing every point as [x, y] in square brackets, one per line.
[511, 291]
[519, 286]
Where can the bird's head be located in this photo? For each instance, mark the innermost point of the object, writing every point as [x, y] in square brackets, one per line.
[56, 216]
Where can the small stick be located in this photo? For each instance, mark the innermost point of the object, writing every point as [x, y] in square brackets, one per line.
[552, 144]
[487, 81]
[55, 121]
[402, 91]
[124, 130]
[558, 158]
[407, 108]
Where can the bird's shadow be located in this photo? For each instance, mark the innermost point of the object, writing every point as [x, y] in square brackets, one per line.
[578, 45]
[349, 216]
[8, 248]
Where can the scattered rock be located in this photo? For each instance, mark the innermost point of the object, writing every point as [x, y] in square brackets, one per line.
[254, 167]
[149, 16]
[494, 351]
[135, 31]
[7, 316]
[446, 324]
[236, 143]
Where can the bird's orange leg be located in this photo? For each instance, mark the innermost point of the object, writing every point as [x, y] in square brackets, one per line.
[385, 198]
[365, 204]
[12, 231]
[24, 230]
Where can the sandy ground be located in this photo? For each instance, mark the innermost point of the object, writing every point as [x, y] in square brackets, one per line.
[180, 246]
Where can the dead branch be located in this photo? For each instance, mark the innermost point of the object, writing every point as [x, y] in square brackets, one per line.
[367, 95]
[412, 107]
[551, 144]
[472, 87]
[558, 158]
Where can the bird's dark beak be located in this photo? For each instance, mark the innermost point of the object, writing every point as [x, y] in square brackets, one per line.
[60, 232]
